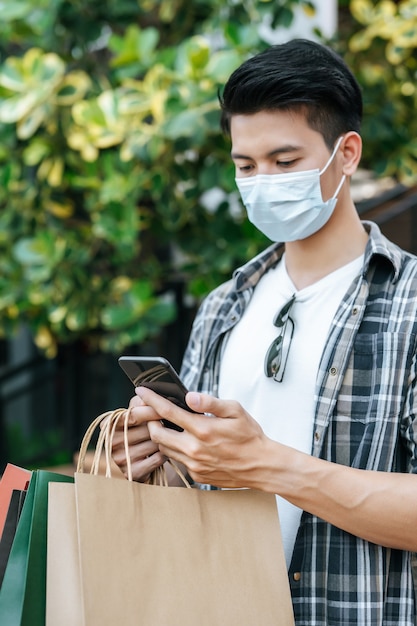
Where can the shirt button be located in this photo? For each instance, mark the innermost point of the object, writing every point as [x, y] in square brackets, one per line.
[355, 310]
[297, 576]
[317, 436]
[333, 371]
[233, 318]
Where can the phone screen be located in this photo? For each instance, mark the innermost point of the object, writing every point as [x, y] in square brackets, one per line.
[157, 374]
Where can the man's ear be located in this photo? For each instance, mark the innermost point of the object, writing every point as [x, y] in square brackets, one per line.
[351, 148]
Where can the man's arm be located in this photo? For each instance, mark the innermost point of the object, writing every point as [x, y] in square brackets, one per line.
[229, 449]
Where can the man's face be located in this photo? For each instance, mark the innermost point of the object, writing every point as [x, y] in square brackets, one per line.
[277, 142]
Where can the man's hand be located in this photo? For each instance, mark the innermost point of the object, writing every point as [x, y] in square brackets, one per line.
[221, 444]
[144, 453]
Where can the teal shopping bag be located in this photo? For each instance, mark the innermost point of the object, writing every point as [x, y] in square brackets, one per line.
[23, 592]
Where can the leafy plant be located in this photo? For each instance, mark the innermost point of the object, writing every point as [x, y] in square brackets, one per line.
[115, 181]
[112, 165]
[382, 50]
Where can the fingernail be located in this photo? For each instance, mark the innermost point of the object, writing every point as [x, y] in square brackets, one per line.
[194, 398]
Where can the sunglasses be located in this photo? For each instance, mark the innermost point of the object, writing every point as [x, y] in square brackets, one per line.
[276, 357]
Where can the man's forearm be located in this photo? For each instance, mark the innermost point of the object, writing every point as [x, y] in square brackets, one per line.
[377, 506]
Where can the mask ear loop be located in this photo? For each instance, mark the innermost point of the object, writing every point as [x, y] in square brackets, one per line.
[336, 148]
[339, 187]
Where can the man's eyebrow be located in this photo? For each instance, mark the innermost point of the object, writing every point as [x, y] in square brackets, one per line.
[281, 150]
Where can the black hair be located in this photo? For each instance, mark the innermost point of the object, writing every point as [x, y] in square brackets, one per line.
[300, 75]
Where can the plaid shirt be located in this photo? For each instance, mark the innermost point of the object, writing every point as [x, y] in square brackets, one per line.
[365, 418]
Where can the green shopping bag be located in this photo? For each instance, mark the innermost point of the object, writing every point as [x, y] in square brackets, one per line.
[23, 592]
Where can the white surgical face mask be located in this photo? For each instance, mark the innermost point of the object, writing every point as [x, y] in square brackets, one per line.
[288, 207]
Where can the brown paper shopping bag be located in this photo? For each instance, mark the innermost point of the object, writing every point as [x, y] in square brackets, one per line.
[156, 556]
[63, 582]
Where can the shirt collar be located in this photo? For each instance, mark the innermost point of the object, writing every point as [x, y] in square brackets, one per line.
[249, 274]
[378, 245]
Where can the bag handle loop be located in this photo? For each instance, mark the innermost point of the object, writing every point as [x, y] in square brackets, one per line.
[107, 422]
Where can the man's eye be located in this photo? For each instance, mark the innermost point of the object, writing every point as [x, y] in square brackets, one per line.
[286, 163]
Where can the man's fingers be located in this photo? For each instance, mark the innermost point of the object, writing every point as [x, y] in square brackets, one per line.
[138, 416]
[199, 403]
[135, 401]
[203, 403]
[137, 450]
[162, 408]
[142, 468]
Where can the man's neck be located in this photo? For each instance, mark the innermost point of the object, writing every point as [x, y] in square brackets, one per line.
[338, 243]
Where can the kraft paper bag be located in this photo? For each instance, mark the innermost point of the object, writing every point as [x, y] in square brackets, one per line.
[159, 556]
[151, 555]
[63, 584]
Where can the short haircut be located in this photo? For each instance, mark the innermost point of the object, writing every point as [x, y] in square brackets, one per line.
[300, 75]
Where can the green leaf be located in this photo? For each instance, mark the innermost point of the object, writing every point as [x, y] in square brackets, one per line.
[30, 123]
[15, 108]
[28, 252]
[185, 124]
[77, 319]
[35, 152]
[73, 87]
[136, 45]
[11, 11]
[362, 11]
[222, 64]
[132, 305]
[42, 250]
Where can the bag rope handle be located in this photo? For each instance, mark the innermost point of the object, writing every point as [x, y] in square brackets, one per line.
[107, 422]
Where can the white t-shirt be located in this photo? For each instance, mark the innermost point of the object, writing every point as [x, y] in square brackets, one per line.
[284, 410]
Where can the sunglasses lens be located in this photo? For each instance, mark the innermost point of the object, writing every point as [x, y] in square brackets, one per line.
[276, 357]
[273, 357]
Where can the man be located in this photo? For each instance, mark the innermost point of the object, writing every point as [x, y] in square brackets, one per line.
[303, 366]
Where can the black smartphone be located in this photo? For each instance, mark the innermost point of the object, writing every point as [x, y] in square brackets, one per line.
[157, 374]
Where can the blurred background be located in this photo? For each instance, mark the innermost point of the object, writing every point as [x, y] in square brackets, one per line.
[118, 209]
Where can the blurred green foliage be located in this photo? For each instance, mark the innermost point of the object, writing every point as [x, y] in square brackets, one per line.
[37, 450]
[382, 51]
[115, 180]
[110, 153]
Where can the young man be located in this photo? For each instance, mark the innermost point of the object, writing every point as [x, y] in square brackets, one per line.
[303, 366]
